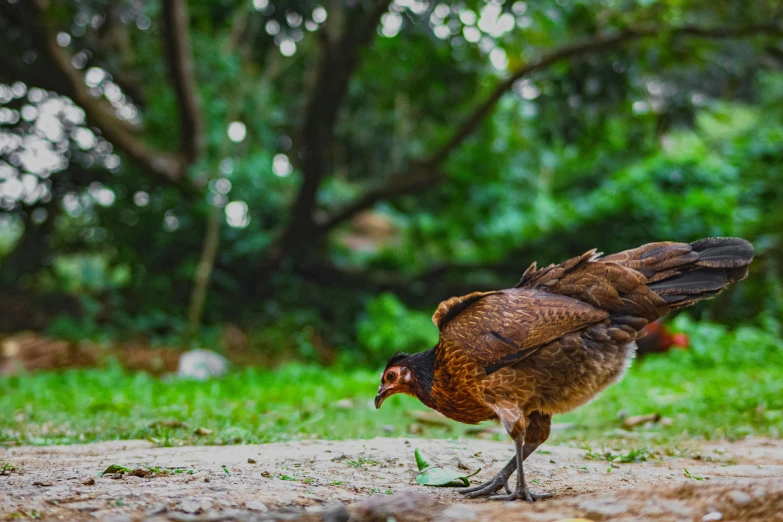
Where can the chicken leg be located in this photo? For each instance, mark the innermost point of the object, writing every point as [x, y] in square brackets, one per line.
[537, 432]
[522, 492]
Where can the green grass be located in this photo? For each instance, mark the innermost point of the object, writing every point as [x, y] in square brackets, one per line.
[297, 402]
[729, 385]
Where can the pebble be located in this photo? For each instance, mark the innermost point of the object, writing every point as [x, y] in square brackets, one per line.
[605, 508]
[712, 517]
[155, 509]
[739, 498]
[335, 512]
[255, 505]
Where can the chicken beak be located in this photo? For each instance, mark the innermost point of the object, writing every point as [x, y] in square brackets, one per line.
[383, 392]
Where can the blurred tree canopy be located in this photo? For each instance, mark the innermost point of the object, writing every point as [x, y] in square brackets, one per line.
[303, 169]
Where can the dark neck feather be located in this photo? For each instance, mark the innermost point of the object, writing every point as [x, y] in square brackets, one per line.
[422, 365]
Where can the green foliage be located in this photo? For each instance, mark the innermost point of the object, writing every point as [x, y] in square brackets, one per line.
[88, 273]
[660, 138]
[714, 345]
[388, 326]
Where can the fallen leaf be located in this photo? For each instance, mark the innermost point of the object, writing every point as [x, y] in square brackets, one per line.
[637, 420]
[115, 468]
[443, 477]
[420, 462]
[251, 461]
[430, 475]
[89, 482]
[42, 484]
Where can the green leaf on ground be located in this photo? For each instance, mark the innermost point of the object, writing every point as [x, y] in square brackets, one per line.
[420, 462]
[439, 476]
[115, 468]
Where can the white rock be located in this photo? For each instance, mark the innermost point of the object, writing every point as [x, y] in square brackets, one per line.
[201, 365]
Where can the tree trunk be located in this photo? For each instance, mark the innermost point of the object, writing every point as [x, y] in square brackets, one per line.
[204, 269]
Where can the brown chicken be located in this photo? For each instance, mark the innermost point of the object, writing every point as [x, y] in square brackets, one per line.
[555, 340]
[659, 339]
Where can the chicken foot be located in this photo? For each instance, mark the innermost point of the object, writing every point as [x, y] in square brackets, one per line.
[496, 483]
[528, 435]
[499, 481]
[522, 492]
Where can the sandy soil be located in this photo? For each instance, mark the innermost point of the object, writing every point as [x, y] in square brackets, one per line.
[374, 480]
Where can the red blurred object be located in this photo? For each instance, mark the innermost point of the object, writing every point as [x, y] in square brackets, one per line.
[660, 340]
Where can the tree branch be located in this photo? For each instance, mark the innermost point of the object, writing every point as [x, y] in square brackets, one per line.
[397, 185]
[576, 49]
[163, 164]
[337, 64]
[180, 59]
[402, 183]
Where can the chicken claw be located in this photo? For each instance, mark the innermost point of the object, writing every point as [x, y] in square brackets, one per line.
[522, 494]
[499, 481]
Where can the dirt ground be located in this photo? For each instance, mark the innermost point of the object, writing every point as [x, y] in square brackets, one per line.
[374, 480]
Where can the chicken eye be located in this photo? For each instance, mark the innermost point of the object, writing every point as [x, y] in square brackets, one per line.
[391, 376]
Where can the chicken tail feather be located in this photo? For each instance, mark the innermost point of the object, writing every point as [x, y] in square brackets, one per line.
[683, 274]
